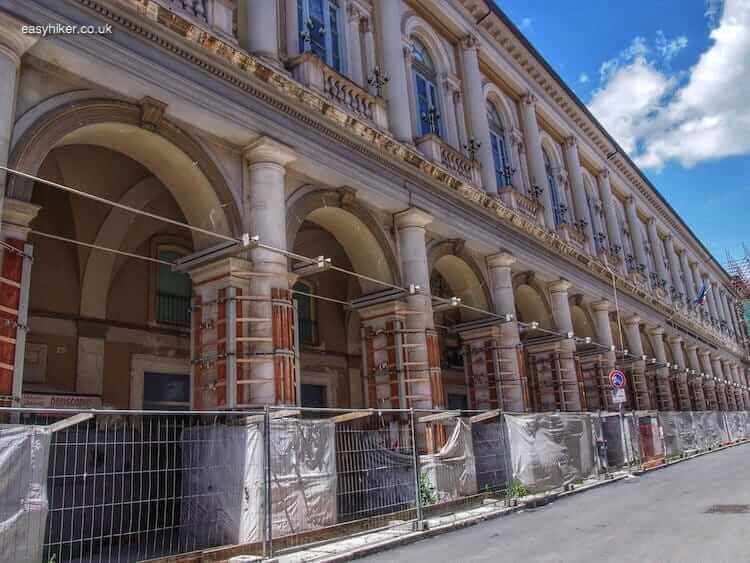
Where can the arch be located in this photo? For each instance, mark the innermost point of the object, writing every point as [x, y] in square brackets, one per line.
[583, 324]
[493, 95]
[414, 26]
[142, 133]
[552, 149]
[531, 301]
[359, 233]
[462, 272]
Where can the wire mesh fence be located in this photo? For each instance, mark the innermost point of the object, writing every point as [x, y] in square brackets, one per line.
[135, 485]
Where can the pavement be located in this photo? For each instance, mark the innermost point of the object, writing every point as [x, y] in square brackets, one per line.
[687, 512]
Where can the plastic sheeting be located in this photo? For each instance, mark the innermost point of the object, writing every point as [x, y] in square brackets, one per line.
[224, 490]
[736, 425]
[24, 456]
[679, 432]
[549, 450]
[452, 471]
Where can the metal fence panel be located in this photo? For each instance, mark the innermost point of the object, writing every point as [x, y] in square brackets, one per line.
[451, 472]
[491, 455]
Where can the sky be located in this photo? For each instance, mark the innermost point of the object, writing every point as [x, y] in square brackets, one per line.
[670, 81]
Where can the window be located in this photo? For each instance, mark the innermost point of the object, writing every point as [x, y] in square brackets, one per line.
[558, 209]
[503, 171]
[457, 402]
[166, 391]
[319, 24]
[314, 396]
[425, 80]
[173, 292]
[306, 317]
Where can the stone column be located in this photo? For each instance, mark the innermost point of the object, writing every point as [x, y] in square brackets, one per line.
[675, 343]
[371, 59]
[636, 233]
[479, 126]
[355, 70]
[721, 392]
[266, 216]
[688, 274]
[520, 177]
[561, 314]
[573, 163]
[13, 44]
[258, 28]
[664, 394]
[602, 309]
[411, 225]
[513, 381]
[694, 274]
[657, 249]
[709, 385]
[614, 229]
[674, 266]
[711, 298]
[537, 171]
[638, 370]
[696, 381]
[727, 316]
[389, 14]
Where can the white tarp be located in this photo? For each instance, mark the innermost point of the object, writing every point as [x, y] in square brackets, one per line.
[549, 450]
[452, 471]
[24, 455]
[223, 489]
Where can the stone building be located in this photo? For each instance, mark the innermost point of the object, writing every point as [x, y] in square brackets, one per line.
[508, 253]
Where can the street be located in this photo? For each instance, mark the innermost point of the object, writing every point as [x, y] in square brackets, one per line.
[663, 516]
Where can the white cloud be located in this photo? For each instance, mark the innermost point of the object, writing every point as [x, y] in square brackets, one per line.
[526, 23]
[658, 116]
[583, 78]
[669, 48]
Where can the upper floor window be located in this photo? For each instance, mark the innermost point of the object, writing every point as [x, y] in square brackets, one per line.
[173, 291]
[320, 30]
[499, 149]
[558, 209]
[307, 322]
[425, 87]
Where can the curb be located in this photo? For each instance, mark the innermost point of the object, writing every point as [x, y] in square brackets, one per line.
[416, 536]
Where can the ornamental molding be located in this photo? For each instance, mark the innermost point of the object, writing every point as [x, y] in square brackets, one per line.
[278, 90]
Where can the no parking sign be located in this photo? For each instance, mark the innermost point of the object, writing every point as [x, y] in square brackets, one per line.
[617, 380]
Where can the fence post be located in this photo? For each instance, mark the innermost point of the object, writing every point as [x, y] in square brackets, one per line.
[267, 509]
[505, 432]
[415, 464]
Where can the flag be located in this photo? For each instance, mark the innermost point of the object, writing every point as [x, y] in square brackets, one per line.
[701, 298]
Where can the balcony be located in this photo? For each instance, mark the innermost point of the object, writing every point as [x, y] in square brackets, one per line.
[573, 236]
[316, 74]
[437, 150]
[522, 203]
[216, 16]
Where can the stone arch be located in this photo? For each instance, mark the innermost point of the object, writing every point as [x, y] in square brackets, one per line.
[142, 133]
[553, 149]
[531, 301]
[414, 26]
[462, 272]
[356, 229]
[583, 323]
[495, 96]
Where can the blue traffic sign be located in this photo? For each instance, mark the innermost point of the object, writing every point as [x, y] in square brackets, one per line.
[617, 379]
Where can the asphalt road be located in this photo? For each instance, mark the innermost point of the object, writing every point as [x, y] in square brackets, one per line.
[658, 517]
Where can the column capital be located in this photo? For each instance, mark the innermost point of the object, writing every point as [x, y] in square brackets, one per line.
[470, 42]
[602, 305]
[12, 42]
[675, 339]
[632, 320]
[656, 331]
[560, 286]
[265, 149]
[412, 217]
[691, 347]
[529, 99]
[17, 216]
[630, 200]
[571, 142]
[501, 260]
[604, 174]
[703, 353]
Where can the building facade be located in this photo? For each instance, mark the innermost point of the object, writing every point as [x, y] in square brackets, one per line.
[391, 203]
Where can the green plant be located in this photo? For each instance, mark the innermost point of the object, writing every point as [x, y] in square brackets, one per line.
[53, 558]
[427, 494]
[517, 489]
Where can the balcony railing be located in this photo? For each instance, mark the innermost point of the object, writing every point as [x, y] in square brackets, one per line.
[437, 150]
[218, 16]
[316, 74]
[522, 203]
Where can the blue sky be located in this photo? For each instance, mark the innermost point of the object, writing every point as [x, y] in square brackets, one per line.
[670, 79]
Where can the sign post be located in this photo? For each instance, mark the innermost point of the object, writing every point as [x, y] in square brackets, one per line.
[617, 380]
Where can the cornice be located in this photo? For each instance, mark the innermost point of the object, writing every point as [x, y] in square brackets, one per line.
[227, 62]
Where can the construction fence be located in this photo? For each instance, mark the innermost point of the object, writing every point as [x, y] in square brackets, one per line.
[144, 485]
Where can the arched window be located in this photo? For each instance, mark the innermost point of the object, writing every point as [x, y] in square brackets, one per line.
[558, 210]
[426, 92]
[319, 24]
[173, 291]
[307, 321]
[500, 155]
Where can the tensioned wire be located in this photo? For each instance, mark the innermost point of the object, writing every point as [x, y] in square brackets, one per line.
[260, 244]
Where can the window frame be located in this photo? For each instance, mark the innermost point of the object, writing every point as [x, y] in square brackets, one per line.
[303, 16]
[554, 192]
[497, 138]
[428, 74]
[315, 331]
[160, 244]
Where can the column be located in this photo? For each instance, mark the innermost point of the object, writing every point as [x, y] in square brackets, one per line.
[537, 170]
[266, 215]
[657, 249]
[427, 392]
[709, 385]
[664, 395]
[479, 126]
[503, 298]
[711, 298]
[675, 343]
[636, 233]
[688, 275]
[674, 266]
[520, 178]
[368, 37]
[696, 381]
[568, 379]
[721, 391]
[573, 163]
[258, 28]
[725, 309]
[638, 370]
[604, 336]
[355, 70]
[614, 229]
[13, 44]
[389, 14]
